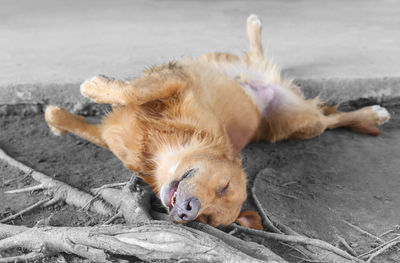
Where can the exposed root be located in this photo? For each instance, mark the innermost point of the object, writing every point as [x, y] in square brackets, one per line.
[52, 201]
[113, 218]
[298, 240]
[266, 220]
[233, 231]
[315, 249]
[156, 240]
[249, 248]
[97, 244]
[306, 257]
[132, 201]
[11, 230]
[143, 238]
[32, 256]
[59, 190]
[114, 185]
[27, 189]
[90, 202]
[347, 246]
[96, 192]
[394, 229]
[384, 248]
[24, 211]
[363, 231]
[372, 251]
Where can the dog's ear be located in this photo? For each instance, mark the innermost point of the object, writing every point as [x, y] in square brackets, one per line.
[249, 219]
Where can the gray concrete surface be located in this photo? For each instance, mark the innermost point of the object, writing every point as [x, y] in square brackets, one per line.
[50, 46]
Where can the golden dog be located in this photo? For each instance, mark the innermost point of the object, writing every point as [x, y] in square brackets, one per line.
[183, 125]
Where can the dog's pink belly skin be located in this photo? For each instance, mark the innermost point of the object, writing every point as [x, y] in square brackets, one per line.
[263, 95]
[266, 96]
[270, 99]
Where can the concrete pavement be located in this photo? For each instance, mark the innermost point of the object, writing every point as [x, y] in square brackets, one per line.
[48, 47]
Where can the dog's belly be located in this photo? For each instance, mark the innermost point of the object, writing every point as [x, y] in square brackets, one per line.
[266, 93]
[267, 96]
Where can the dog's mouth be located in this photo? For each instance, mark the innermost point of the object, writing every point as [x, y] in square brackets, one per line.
[169, 193]
[172, 194]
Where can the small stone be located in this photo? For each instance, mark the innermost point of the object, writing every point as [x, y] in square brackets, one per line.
[353, 244]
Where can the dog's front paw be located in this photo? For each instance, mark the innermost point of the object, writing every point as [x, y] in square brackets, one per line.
[91, 88]
[53, 116]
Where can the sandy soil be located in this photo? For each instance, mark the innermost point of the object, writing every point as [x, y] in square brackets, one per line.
[313, 186]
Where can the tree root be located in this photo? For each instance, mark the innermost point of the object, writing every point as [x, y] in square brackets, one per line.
[32, 256]
[148, 239]
[151, 239]
[58, 190]
[132, 202]
[380, 249]
[250, 248]
[394, 229]
[265, 218]
[297, 240]
[315, 249]
[155, 240]
[347, 246]
[26, 210]
[362, 231]
[385, 247]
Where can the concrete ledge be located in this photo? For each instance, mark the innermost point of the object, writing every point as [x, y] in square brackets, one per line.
[18, 99]
[342, 90]
[60, 94]
[29, 99]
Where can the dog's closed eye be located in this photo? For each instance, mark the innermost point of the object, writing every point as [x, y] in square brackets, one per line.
[188, 173]
[221, 191]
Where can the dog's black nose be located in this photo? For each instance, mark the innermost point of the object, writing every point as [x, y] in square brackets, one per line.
[187, 210]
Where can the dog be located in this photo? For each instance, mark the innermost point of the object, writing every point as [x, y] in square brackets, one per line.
[182, 125]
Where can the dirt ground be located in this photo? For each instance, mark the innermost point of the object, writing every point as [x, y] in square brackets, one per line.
[314, 186]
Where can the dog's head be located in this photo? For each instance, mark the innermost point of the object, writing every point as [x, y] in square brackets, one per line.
[203, 188]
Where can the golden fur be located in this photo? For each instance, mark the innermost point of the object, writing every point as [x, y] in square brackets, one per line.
[193, 117]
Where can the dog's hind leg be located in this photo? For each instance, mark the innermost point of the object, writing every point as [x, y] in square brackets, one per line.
[61, 121]
[254, 26]
[364, 120]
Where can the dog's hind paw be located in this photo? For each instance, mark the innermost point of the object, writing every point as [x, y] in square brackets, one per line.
[254, 20]
[382, 114]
